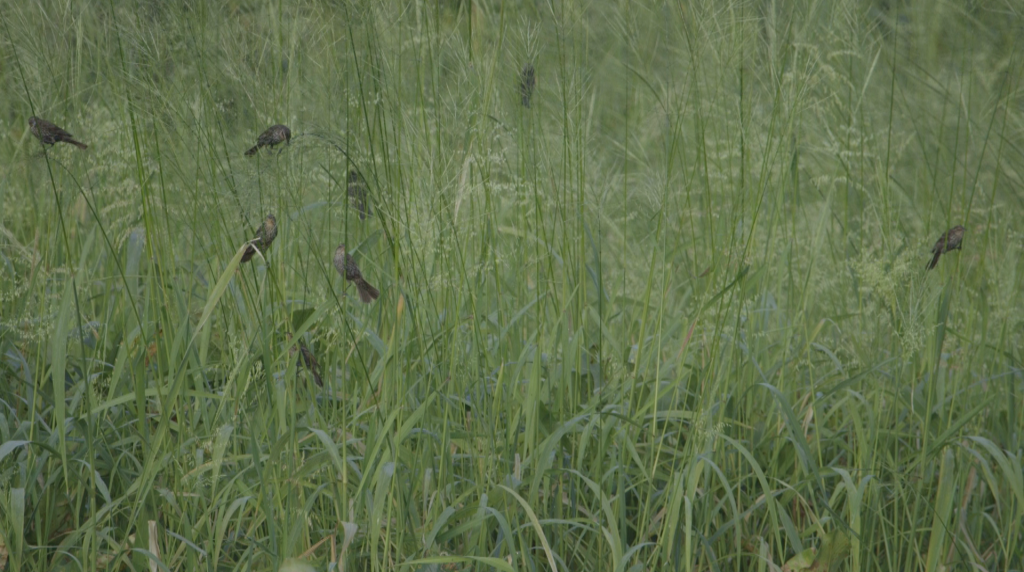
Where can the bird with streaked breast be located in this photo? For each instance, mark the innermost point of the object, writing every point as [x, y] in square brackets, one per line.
[359, 194]
[952, 239]
[527, 81]
[265, 235]
[50, 134]
[274, 135]
[349, 270]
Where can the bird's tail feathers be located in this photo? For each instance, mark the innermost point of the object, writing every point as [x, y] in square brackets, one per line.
[367, 293]
[364, 208]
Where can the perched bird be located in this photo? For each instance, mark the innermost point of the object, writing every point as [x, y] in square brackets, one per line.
[346, 266]
[50, 134]
[265, 234]
[358, 193]
[527, 81]
[950, 240]
[307, 359]
[272, 136]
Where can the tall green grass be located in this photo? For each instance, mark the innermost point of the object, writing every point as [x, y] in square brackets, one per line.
[673, 316]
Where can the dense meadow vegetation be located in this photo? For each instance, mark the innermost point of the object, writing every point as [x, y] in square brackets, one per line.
[672, 315]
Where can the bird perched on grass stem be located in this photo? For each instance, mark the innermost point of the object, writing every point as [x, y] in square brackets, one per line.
[358, 193]
[265, 234]
[272, 136]
[527, 81]
[950, 240]
[307, 360]
[50, 134]
[346, 266]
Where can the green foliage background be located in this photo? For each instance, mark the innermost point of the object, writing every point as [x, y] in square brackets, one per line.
[672, 316]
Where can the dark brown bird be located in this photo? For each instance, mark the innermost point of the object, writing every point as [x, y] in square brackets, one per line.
[272, 136]
[950, 240]
[346, 266]
[358, 193]
[265, 234]
[307, 359]
[527, 81]
[50, 134]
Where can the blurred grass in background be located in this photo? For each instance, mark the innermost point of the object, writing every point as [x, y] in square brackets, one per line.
[673, 316]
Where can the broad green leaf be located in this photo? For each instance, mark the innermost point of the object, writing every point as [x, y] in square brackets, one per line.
[943, 506]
